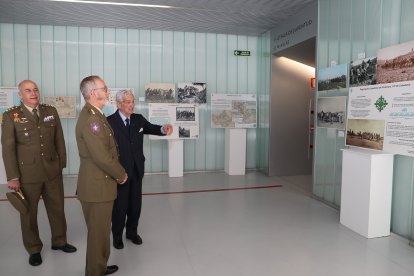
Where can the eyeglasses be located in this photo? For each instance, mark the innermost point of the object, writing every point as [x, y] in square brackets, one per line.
[105, 89]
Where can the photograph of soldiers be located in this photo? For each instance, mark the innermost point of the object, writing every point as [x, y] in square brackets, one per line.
[363, 72]
[185, 114]
[331, 112]
[160, 92]
[192, 92]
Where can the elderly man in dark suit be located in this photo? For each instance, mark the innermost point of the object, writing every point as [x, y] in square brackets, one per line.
[129, 129]
[34, 155]
[99, 173]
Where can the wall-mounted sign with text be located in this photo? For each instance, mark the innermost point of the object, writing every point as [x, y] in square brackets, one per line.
[242, 53]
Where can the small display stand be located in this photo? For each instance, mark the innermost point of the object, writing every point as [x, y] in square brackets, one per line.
[175, 158]
[235, 151]
[367, 192]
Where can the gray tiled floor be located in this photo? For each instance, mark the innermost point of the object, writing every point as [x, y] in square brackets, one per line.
[269, 231]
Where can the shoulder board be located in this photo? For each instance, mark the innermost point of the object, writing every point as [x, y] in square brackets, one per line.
[13, 108]
[91, 111]
[46, 105]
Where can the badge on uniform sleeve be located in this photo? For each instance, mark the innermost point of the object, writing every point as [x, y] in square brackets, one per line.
[95, 127]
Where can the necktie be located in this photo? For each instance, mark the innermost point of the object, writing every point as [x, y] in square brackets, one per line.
[127, 124]
[35, 115]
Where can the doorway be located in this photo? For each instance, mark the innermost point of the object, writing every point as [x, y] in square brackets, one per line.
[292, 110]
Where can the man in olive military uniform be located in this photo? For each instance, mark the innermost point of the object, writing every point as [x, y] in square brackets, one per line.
[99, 173]
[34, 155]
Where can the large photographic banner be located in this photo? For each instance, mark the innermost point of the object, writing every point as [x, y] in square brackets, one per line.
[233, 111]
[183, 117]
[381, 117]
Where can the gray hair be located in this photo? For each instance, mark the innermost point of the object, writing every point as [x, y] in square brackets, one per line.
[87, 85]
[24, 81]
[121, 94]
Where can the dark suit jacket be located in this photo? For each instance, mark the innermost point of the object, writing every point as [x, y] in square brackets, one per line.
[131, 148]
[32, 152]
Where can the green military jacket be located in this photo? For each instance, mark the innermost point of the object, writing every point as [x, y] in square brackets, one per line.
[32, 152]
[99, 169]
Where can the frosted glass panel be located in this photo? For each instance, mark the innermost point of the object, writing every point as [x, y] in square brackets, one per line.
[263, 90]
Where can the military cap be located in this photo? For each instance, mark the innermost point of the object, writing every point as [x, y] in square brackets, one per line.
[18, 201]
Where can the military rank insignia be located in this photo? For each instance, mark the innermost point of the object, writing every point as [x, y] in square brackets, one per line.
[95, 127]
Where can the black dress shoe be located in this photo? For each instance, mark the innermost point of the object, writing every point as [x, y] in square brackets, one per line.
[35, 259]
[118, 244]
[65, 248]
[135, 239]
[111, 269]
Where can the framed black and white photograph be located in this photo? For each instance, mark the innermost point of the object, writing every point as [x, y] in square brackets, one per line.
[192, 92]
[332, 78]
[185, 113]
[363, 72]
[184, 132]
[331, 112]
[160, 92]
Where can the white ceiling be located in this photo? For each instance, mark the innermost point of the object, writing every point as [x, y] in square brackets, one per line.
[240, 17]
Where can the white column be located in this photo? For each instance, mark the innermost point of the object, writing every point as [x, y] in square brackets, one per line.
[235, 151]
[366, 192]
[175, 158]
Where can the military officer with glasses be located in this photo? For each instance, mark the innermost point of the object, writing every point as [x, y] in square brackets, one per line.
[99, 173]
[34, 154]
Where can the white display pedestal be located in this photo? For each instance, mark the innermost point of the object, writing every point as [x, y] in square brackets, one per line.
[235, 151]
[175, 158]
[367, 192]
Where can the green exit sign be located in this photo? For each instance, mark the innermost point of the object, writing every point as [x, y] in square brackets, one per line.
[241, 53]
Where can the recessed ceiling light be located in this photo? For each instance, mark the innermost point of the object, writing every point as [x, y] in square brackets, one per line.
[113, 3]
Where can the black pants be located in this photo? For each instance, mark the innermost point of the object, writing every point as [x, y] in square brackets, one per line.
[127, 207]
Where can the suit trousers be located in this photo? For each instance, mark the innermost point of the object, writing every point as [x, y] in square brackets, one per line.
[98, 221]
[127, 207]
[53, 198]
